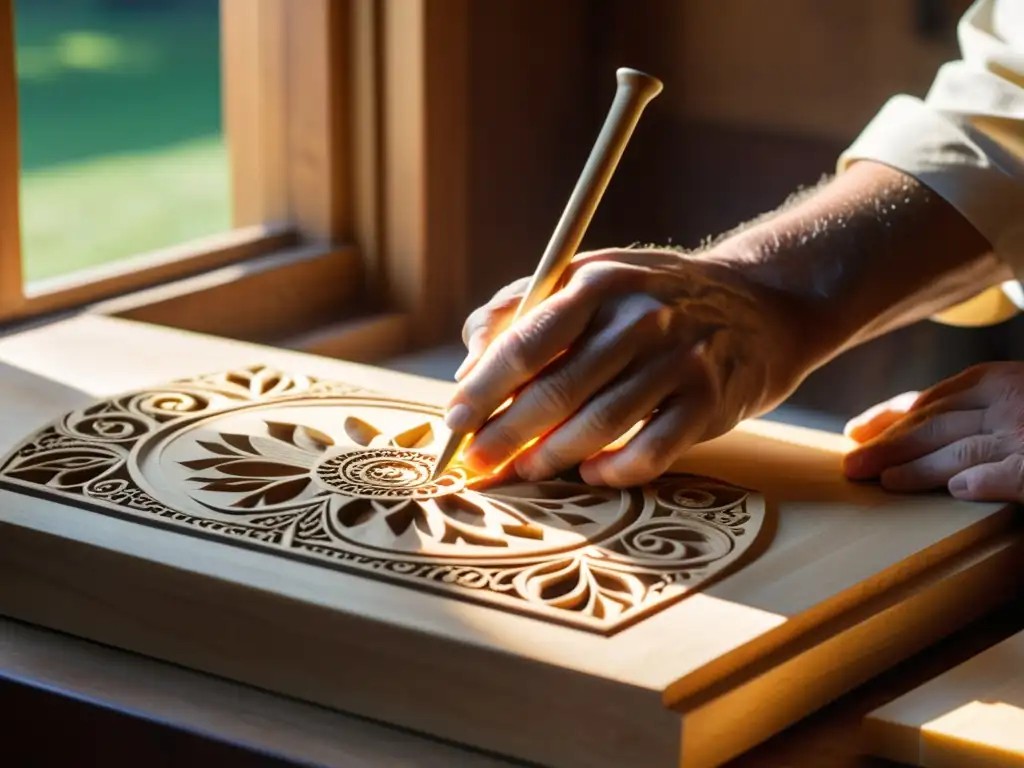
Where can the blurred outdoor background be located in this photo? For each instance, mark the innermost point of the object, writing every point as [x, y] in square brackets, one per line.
[122, 150]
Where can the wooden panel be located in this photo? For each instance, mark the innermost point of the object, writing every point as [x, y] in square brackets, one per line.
[969, 717]
[846, 564]
[800, 66]
[425, 71]
[537, 101]
[10, 169]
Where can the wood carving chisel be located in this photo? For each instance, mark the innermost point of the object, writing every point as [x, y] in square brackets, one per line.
[635, 90]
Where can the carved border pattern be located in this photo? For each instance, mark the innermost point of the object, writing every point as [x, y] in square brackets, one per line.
[676, 532]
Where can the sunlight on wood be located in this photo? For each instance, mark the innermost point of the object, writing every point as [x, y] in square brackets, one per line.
[992, 730]
[794, 435]
[969, 716]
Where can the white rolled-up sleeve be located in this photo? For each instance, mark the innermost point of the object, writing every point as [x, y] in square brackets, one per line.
[965, 139]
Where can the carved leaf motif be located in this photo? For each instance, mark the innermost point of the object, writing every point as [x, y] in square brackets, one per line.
[307, 438]
[556, 503]
[259, 469]
[275, 493]
[239, 443]
[64, 468]
[228, 484]
[212, 447]
[260, 381]
[275, 469]
[574, 584]
[360, 432]
[419, 436]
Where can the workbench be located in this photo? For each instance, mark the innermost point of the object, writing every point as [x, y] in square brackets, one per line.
[66, 701]
[187, 673]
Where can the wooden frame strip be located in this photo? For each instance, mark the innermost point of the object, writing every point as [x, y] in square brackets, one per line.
[282, 294]
[285, 68]
[366, 166]
[317, 71]
[133, 274]
[11, 297]
[253, 78]
[425, 180]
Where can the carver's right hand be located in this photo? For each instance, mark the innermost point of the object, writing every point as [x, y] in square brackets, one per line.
[684, 344]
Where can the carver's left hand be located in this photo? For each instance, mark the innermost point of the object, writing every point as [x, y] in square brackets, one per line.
[965, 433]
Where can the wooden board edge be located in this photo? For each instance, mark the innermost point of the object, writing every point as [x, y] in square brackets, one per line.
[815, 621]
[250, 636]
[732, 718]
[211, 707]
[913, 727]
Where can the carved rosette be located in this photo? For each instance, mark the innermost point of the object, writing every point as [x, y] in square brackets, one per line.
[329, 473]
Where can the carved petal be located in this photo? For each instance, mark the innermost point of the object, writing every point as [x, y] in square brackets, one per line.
[419, 436]
[359, 431]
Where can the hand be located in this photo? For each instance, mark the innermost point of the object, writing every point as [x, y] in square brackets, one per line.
[684, 346]
[966, 433]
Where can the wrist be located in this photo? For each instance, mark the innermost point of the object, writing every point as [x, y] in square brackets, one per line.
[868, 252]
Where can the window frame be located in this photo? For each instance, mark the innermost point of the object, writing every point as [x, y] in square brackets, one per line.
[346, 127]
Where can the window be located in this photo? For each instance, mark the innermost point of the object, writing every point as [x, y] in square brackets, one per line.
[119, 117]
[331, 216]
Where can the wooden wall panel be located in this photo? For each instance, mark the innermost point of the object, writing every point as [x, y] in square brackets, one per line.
[794, 66]
[532, 123]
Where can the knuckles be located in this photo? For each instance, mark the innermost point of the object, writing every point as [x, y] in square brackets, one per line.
[553, 394]
[973, 451]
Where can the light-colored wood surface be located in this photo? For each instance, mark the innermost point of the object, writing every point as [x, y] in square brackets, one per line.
[847, 567]
[969, 717]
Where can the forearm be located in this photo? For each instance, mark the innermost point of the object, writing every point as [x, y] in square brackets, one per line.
[869, 252]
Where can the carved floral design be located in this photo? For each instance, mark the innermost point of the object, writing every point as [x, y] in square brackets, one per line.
[323, 471]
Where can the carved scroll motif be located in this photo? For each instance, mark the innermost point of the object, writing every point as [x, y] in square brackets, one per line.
[328, 473]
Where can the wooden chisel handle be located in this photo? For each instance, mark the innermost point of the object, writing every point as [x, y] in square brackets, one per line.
[635, 90]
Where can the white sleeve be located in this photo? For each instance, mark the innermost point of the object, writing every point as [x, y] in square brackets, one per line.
[965, 139]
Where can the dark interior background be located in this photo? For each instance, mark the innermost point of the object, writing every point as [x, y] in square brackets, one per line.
[759, 99]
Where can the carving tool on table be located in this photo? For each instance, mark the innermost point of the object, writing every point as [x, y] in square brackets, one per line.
[634, 91]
